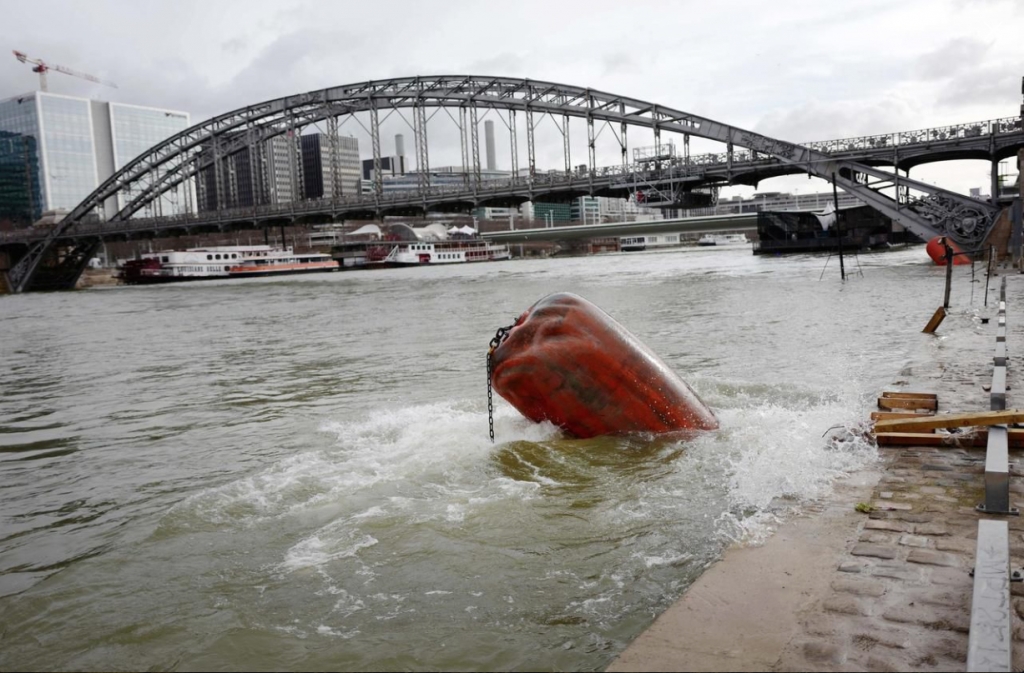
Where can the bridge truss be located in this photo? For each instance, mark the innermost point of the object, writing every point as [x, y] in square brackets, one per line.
[208, 161]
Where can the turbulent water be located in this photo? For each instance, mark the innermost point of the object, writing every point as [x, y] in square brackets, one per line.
[296, 474]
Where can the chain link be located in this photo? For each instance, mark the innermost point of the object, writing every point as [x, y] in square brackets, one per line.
[499, 337]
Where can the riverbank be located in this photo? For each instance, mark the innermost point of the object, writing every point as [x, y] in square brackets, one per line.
[836, 589]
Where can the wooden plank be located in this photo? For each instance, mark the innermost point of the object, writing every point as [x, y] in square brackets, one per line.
[910, 396]
[979, 438]
[891, 403]
[936, 320]
[920, 439]
[888, 415]
[951, 421]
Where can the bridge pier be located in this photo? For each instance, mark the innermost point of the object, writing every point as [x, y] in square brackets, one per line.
[994, 194]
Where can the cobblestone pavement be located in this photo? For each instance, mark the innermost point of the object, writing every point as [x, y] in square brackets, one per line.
[900, 598]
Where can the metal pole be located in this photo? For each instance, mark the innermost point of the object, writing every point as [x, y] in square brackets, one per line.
[988, 271]
[994, 198]
[622, 133]
[949, 271]
[839, 228]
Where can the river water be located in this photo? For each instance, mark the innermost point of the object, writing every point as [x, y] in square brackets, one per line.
[296, 473]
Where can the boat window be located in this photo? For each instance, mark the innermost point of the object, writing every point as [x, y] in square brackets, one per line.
[227, 268]
[209, 257]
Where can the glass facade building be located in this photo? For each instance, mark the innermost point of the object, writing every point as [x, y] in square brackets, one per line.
[69, 155]
[73, 144]
[21, 195]
[135, 129]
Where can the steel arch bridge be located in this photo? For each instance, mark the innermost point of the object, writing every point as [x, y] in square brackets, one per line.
[209, 160]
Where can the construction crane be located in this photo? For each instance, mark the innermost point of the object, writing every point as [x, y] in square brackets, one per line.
[42, 68]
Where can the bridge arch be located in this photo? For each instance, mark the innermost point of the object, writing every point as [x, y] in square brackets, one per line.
[206, 156]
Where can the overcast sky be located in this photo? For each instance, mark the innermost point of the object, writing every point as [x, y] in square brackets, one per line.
[795, 70]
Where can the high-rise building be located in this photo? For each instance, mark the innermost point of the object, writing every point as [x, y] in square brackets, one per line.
[389, 166]
[79, 143]
[21, 195]
[268, 172]
[282, 185]
[318, 167]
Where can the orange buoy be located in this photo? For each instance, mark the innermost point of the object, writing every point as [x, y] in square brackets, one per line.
[568, 362]
[937, 252]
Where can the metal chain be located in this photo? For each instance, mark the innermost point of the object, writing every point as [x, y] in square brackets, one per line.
[499, 337]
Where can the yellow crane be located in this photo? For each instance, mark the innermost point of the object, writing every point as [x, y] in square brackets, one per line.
[42, 68]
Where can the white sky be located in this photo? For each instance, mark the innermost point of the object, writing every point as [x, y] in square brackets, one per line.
[795, 70]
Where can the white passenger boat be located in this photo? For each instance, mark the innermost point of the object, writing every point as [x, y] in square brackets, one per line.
[169, 266]
[649, 242]
[723, 239]
[443, 252]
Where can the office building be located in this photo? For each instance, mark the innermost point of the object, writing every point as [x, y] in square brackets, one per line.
[79, 143]
[390, 167]
[271, 172]
[21, 194]
[318, 167]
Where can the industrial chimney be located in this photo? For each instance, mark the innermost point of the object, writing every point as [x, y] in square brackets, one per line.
[399, 145]
[489, 136]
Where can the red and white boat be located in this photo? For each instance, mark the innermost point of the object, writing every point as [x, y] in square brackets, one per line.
[244, 261]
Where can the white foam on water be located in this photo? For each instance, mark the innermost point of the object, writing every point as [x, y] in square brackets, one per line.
[331, 543]
[776, 457]
[443, 443]
[325, 630]
[659, 561]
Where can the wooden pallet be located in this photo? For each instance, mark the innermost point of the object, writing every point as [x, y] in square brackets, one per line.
[908, 400]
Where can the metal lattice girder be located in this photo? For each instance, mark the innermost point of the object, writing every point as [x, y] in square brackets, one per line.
[566, 145]
[335, 150]
[513, 147]
[378, 179]
[474, 131]
[531, 150]
[179, 159]
[419, 118]
[464, 144]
